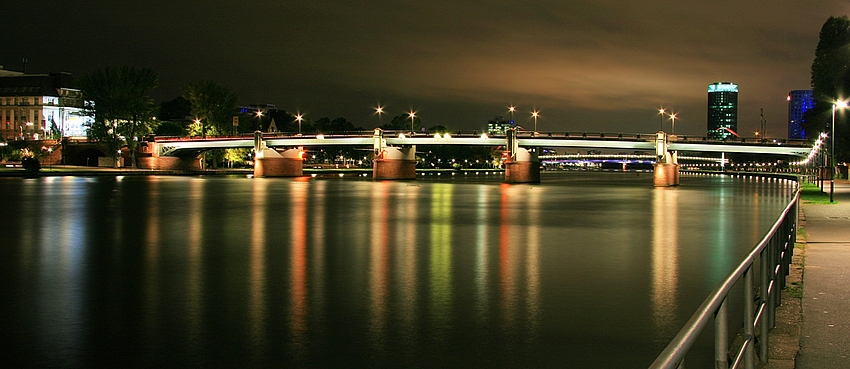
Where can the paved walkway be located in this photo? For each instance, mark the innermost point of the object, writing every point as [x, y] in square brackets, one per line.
[825, 336]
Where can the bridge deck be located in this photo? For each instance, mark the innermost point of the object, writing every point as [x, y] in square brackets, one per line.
[596, 141]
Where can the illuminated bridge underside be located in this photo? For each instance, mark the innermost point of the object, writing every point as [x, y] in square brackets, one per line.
[190, 147]
[743, 149]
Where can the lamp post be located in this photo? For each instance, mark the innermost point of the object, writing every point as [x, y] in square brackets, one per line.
[203, 131]
[534, 115]
[661, 111]
[203, 135]
[412, 117]
[512, 109]
[673, 118]
[299, 118]
[260, 120]
[837, 104]
[380, 111]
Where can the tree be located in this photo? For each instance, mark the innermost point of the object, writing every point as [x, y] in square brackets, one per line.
[437, 129]
[169, 128]
[213, 107]
[175, 109]
[119, 99]
[340, 124]
[402, 123]
[831, 81]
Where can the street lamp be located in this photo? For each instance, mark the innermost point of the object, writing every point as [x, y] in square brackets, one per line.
[837, 104]
[299, 118]
[661, 111]
[512, 109]
[412, 117]
[534, 115]
[380, 111]
[673, 118]
[203, 131]
[260, 119]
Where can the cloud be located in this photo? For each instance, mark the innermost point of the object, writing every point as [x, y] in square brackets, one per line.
[589, 60]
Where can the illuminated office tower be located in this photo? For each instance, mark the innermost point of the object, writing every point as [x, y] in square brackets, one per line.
[799, 101]
[722, 110]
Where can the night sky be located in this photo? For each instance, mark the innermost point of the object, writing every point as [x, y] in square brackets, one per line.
[597, 66]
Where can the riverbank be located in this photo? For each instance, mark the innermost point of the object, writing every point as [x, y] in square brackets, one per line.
[72, 170]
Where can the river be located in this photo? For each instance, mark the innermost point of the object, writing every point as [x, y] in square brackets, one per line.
[584, 270]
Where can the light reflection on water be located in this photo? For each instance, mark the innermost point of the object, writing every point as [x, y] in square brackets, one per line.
[257, 276]
[596, 270]
[665, 259]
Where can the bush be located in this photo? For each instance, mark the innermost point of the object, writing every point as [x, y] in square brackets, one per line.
[31, 165]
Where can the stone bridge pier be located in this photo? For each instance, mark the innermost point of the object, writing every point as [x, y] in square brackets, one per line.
[271, 163]
[666, 164]
[392, 162]
[150, 157]
[523, 166]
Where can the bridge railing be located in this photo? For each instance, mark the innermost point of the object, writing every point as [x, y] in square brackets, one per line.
[520, 134]
[741, 141]
[774, 254]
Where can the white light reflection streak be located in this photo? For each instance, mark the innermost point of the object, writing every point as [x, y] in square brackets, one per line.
[195, 267]
[61, 286]
[665, 258]
[406, 238]
[152, 276]
[482, 254]
[379, 268]
[257, 272]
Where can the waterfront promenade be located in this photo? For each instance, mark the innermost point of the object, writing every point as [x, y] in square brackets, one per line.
[825, 331]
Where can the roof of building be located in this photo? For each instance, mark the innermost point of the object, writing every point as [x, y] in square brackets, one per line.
[6, 73]
[34, 84]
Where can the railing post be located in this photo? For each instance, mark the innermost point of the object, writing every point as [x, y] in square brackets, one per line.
[764, 267]
[721, 336]
[772, 300]
[779, 267]
[749, 321]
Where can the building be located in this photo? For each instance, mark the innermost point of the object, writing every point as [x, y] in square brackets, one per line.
[39, 106]
[722, 110]
[799, 101]
[499, 126]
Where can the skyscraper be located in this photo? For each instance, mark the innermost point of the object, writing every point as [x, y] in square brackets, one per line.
[722, 110]
[799, 101]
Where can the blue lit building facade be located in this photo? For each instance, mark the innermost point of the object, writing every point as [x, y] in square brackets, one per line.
[799, 101]
[722, 110]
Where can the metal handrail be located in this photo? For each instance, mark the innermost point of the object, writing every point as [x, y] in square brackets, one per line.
[774, 252]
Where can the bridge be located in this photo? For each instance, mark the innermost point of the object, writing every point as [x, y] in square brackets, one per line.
[170, 146]
[280, 154]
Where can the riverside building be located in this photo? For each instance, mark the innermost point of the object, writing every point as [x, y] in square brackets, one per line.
[722, 110]
[40, 106]
[799, 101]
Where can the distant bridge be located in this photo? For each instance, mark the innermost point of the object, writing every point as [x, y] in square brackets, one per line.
[182, 147]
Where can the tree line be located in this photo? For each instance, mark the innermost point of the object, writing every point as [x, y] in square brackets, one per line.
[831, 83]
[119, 100]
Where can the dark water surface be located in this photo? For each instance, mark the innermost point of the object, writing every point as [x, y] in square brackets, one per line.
[582, 271]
